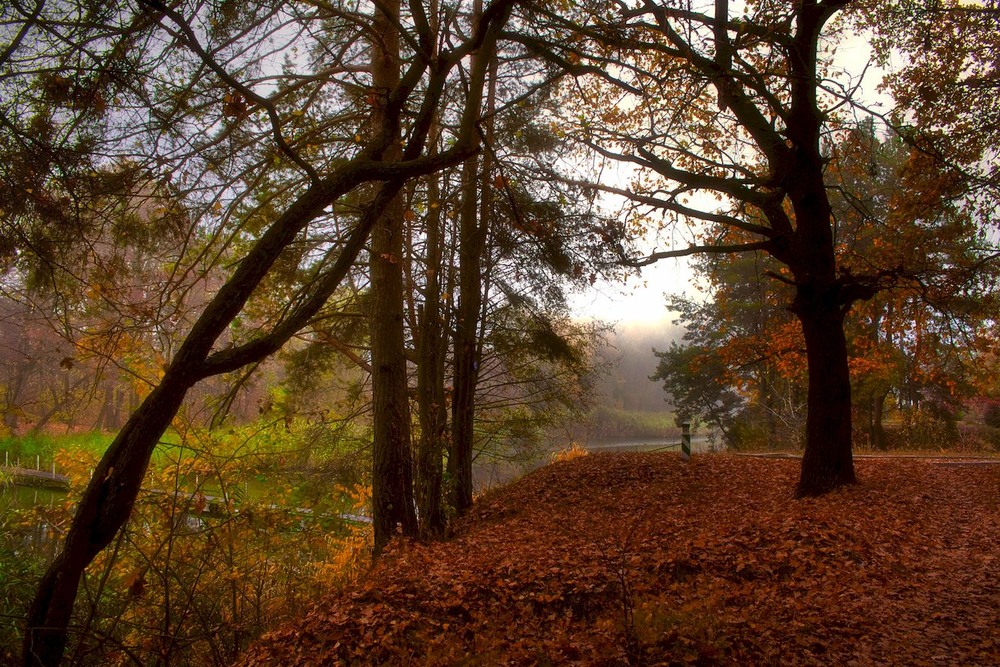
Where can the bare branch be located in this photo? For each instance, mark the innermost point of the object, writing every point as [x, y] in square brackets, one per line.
[266, 103]
[698, 249]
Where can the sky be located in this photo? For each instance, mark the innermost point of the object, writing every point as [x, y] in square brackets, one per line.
[641, 299]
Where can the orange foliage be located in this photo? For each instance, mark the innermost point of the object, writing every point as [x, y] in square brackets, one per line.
[639, 558]
[574, 451]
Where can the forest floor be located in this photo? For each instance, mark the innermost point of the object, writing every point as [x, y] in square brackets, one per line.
[642, 559]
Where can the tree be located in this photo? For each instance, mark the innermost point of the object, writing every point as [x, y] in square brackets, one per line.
[392, 477]
[740, 364]
[81, 71]
[707, 106]
[475, 219]
[694, 377]
[943, 58]
[489, 243]
[432, 350]
[923, 330]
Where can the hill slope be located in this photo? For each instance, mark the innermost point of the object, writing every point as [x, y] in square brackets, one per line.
[643, 559]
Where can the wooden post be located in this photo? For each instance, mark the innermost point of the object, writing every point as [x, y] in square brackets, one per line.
[686, 441]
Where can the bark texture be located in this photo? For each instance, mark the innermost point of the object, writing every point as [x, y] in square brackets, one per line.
[431, 401]
[827, 462]
[392, 471]
[477, 205]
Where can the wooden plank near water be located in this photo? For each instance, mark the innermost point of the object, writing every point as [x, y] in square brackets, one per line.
[35, 478]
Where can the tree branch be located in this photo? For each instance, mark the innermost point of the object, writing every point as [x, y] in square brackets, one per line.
[695, 250]
[266, 103]
[674, 206]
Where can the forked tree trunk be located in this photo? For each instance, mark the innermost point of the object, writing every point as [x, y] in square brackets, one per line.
[477, 206]
[432, 407]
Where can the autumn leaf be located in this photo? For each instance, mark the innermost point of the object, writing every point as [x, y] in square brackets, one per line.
[713, 561]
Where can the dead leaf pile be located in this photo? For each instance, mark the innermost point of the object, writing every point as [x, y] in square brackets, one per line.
[618, 559]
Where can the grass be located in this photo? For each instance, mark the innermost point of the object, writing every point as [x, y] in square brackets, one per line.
[608, 422]
[44, 446]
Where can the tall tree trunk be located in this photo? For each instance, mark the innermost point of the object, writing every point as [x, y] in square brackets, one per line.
[822, 296]
[475, 214]
[431, 350]
[466, 335]
[827, 462]
[392, 473]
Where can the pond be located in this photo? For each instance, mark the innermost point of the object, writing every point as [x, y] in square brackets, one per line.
[488, 474]
[38, 533]
[15, 496]
[34, 533]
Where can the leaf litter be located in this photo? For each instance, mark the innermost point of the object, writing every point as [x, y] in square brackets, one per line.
[643, 559]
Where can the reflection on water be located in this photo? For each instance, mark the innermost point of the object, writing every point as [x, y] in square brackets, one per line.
[490, 473]
[31, 520]
[700, 444]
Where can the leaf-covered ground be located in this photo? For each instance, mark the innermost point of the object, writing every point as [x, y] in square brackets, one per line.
[618, 559]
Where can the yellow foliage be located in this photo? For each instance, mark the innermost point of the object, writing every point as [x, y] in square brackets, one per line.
[574, 451]
[350, 554]
[194, 539]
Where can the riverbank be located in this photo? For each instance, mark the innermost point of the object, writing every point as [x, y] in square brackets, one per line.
[643, 559]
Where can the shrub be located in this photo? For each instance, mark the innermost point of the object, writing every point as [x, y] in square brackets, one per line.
[574, 451]
[924, 429]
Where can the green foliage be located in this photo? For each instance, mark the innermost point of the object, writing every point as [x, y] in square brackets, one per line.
[695, 378]
[20, 568]
[46, 445]
[227, 539]
[535, 378]
[235, 529]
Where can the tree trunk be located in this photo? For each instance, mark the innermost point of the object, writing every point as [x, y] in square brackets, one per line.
[466, 330]
[877, 431]
[392, 473]
[827, 462]
[475, 216]
[103, 510]
[431, 350]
